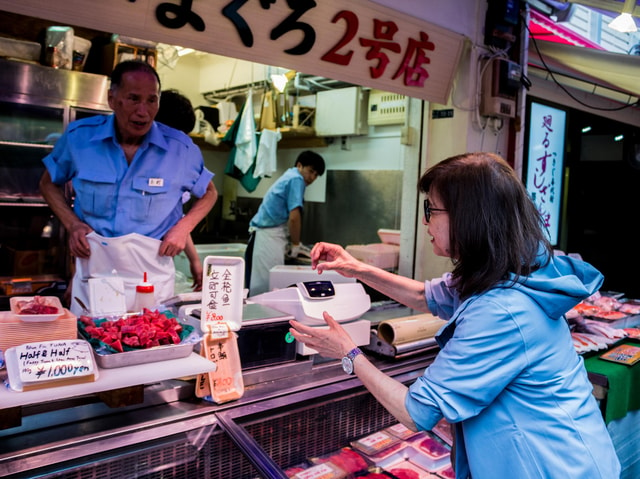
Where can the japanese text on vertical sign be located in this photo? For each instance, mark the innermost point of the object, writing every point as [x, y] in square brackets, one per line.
[379, 47]
[544, 173]
[219, 293]
[545, 164]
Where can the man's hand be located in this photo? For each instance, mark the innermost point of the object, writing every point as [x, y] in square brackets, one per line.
[78, 244]
[196, 274]
[295, 250]
[174, 241]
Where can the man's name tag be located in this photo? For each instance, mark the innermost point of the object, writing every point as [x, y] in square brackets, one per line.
[156, 182]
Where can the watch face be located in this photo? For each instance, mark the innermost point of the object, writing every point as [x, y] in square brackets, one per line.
[347, 365]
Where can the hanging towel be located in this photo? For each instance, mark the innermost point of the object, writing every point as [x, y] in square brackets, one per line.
[266, 158]
[246, 179]
[245, 140]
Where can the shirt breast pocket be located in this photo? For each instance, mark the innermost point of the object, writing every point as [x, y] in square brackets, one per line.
[152, 200]
[96, 195]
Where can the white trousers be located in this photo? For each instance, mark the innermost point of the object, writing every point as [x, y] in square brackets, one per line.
[269, 248]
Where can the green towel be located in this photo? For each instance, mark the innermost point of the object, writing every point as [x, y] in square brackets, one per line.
[624, 385]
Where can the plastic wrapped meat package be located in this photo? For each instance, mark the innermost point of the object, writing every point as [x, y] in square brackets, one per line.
[446, 473]
[404, 469]
[400, 431]
[375, 443]
[434, 453]
[345, 459]
[444, 430]
[325, 470]
[381, 456]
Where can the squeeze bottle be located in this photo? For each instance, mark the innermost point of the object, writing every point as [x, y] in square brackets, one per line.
[145, 297]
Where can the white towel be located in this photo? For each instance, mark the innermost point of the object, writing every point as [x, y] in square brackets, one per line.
[266, 159]
[246, 143]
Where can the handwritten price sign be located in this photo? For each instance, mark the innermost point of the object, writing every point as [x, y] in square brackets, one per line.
[54, 360]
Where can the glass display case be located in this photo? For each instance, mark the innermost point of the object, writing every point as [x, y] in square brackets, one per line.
[275, 425]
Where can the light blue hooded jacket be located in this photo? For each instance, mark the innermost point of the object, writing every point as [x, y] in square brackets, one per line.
[509, 378]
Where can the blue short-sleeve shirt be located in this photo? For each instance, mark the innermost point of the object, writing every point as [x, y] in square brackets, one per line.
[116, 198]
[285, 195]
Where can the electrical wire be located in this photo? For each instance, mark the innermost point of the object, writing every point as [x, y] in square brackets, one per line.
[562, 87]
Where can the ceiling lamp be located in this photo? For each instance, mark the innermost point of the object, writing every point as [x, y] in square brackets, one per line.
[624, 22]
[280, 80]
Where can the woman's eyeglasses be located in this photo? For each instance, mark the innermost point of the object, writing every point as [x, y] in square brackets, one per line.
[428, 209]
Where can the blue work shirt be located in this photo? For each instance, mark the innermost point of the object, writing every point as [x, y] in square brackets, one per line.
[510, 380]
[285, 195]
[116, 198]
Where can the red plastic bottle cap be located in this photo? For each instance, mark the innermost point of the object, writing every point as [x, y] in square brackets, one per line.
[144, 288]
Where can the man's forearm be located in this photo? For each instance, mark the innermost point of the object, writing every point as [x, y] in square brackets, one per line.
[200, 208]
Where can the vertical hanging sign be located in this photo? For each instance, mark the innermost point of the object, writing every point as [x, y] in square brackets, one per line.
[545, 163]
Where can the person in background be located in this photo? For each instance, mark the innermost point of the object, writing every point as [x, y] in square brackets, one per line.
[177, 112]
[127, 215]
[507, 375]
[279, 221]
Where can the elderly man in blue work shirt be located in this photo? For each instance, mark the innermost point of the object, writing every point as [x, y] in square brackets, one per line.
[129, 175]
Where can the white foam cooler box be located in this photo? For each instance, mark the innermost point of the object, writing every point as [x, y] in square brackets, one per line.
[346, 302]
[385, 255]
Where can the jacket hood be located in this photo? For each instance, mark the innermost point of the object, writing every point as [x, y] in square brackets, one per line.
[560, 284]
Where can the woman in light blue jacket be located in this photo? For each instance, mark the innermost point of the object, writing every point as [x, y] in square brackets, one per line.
[507, 375]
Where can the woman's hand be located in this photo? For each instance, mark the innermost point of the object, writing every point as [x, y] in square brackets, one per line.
[327, 256]
[333, 342]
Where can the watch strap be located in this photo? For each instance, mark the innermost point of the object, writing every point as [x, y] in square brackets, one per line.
[353, 353]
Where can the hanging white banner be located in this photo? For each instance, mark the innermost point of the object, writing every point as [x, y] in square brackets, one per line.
[357, 41]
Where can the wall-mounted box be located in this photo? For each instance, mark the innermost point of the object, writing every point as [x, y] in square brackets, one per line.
[386, 108]
[342, 112]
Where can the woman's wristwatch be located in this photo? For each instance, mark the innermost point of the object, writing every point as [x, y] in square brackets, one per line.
[347, 361]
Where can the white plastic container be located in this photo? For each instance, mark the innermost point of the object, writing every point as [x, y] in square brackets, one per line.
[81, 47]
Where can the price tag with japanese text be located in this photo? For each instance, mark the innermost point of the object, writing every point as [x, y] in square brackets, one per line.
[222, 293]
[226, 382]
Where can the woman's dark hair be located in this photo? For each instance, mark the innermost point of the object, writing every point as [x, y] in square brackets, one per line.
[312, 159]
[129, 66]
[176, 111]
[494, 227]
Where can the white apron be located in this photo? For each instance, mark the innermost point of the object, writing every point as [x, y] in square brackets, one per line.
[269, 248]
[130, 256]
